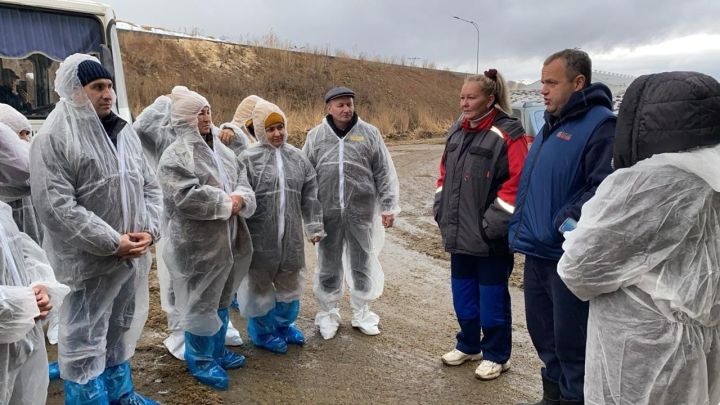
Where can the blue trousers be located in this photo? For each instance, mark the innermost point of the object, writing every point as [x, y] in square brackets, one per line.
[557, 323]
[482, 305]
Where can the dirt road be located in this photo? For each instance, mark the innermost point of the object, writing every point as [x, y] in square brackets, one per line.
[401, 365]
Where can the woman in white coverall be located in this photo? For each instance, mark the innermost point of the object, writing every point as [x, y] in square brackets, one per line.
[646, 252]
[156, 134]
[206, 197]
[287, 206]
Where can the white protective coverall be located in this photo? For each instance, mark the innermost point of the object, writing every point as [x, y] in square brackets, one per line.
[287, 207]
[243, 139]
[23, 265]
[23, 360]
[23, 211]
[646, 253]
[208, 250]
[156, 134]
[356, 183]
[88, 192]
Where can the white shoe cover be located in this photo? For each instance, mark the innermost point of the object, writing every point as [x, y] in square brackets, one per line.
[366, 320]
[232, 337]
[328, 322]
[175, 343]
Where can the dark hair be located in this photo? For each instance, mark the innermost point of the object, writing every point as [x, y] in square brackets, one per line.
[577, 62]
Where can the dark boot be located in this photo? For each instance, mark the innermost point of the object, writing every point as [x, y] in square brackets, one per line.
[551, 395]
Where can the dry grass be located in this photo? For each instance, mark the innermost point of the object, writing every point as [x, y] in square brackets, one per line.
[402, 101]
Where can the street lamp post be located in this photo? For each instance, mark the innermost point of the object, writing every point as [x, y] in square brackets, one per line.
[477, 55]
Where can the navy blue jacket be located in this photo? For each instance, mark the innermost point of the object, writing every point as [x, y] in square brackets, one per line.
[569, 159]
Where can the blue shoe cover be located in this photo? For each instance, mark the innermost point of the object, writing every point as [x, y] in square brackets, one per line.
[230, 360]
[273, 344]
[261, 331]
[292, 334]
[92, 393]
[235, 304]
[199, 352]
[285, 315]
[227, 359]
[119, 386]
[54, 369]
[134, 398]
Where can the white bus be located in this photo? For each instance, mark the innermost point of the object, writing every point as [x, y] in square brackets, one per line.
[36, 35]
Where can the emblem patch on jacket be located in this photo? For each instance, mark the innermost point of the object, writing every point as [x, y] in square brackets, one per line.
[356, 138]
[564, 136]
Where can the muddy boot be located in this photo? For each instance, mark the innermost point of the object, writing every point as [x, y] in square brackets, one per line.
[551, 395]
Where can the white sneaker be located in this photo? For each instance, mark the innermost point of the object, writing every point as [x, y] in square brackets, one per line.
[366, 320]
[488, 370]
[455, 357]
[328, 322]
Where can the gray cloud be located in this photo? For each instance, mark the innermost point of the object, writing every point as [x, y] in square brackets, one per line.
[515, 35]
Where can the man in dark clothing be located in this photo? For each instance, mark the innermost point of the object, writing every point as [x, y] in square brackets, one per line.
[9, 92]
[567, 162]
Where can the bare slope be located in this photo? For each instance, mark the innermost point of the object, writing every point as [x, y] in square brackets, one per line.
[401, 101]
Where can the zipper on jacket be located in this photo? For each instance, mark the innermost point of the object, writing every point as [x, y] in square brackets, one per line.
[341, 170]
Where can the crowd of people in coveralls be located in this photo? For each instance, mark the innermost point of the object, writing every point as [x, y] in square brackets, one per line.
[618, 219]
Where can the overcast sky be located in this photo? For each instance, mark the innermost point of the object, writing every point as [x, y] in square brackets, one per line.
[623, 36]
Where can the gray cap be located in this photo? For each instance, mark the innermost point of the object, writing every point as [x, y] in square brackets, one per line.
[338, 92]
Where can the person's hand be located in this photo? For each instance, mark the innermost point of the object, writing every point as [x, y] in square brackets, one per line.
[237, 204]
[227, 135]
[315, 239]
[134, 244]
[388, 220]
[42, 298]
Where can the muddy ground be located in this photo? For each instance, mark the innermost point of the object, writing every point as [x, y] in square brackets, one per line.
[401, 365]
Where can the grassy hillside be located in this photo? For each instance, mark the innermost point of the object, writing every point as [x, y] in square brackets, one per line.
[403, 102]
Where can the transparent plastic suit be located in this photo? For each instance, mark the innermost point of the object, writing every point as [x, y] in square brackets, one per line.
[207, 249]
[23, 360]
[287, 207]
[87, 193]
[14, 165]
[154, 130]
[156, 134]
[356, 183]
[23, 210]
[243, 139]
[646, 251]
[23, 264]
[14, 119]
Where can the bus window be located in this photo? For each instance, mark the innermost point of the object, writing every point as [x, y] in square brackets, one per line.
[34, 43]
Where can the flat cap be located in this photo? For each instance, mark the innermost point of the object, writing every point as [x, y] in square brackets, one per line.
[338, 92]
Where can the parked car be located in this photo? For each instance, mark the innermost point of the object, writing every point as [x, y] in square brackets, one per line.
[531, 115]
